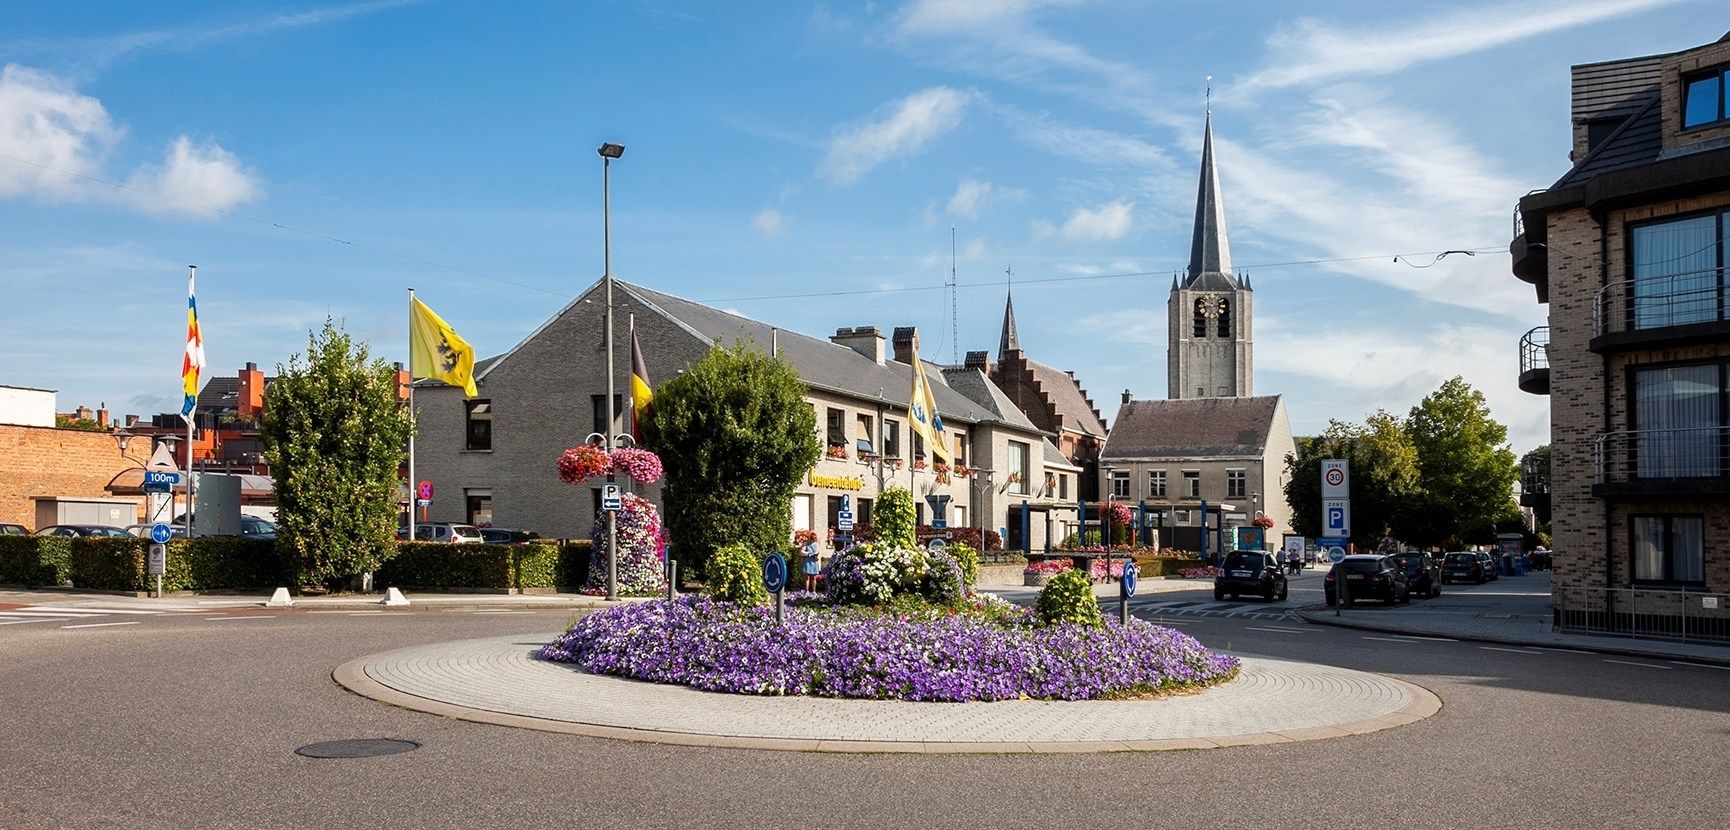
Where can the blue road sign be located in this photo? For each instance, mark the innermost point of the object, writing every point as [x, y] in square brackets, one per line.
[1130, 572]
[846, 503]
[1334, 546]
[612, 498]
[1336, 518]
[844, 520]
[775, 572]
[161, 533]
[939, 524]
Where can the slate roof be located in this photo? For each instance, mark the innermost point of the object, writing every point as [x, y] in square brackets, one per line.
[223, 391]
[1209, 250]
[1638, 141]
[976, 387]
[1065, 393]
[1193, 428]
[823, 364]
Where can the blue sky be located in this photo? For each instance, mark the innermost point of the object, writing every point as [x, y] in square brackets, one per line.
[786, 148]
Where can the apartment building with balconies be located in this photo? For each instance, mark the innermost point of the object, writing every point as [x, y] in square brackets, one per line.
[1629, 249]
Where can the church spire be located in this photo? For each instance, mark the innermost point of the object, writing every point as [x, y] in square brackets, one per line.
[1009, 342]
[1209, 252]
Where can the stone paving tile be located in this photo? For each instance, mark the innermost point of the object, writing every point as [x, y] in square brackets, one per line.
[1269, 696]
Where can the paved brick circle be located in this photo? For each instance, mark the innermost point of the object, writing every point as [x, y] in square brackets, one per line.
[497, 680]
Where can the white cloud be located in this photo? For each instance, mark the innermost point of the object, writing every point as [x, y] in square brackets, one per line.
[1112, 220]
[55, 135]
[1309, 51]
[206, 176]
[900, 128]
[968, 194]
[975, 249]
[965, 16]
[44, 121]
[768, 222]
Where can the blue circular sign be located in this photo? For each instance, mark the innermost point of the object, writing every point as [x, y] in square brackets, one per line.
[1337, 554]
[775, 572]
[1129, 575]
[160, 534]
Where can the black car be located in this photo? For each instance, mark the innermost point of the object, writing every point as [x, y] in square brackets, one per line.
[1422, 574]
[1492, 565]
[1368, 576]
[501, 536]
[13, 530]
[1250, 572]
[1463, 567]
[84, 530]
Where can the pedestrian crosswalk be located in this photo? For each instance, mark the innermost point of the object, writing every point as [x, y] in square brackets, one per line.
[1233, 610]
[81, 615]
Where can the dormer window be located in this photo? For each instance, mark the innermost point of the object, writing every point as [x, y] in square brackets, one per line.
[1703, 98]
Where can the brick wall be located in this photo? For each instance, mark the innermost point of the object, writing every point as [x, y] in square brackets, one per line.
[1675, 66]
[42, 461]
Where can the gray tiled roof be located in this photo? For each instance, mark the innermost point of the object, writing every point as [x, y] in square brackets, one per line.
[979, 389]
[1065, 393]
[1193, 428]
[828, 365]
[1638, 141]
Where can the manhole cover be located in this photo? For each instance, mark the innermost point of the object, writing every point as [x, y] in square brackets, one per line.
[357, 748]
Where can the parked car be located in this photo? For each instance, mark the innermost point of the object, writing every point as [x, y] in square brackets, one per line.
[502, 536]
[1463, 566]
[143, 531]
[14, 530]
[85, 530]
[1492, 565]
[1422, 574]
[1371, 577]
[1250, 572]
[443, 532]
[253, 527]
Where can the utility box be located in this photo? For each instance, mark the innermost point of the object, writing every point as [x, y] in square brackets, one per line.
[66, 510]
[216, 505]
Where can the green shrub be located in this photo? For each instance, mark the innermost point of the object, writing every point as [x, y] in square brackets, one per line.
[967, 557]
[1155, 566]
[573, 568]
[894, 519]
[735, 574]
[107, 564]
[1068, 598]
[33, 561]
[202, 563]
[943, 583]
[439, 565]
[535, 565]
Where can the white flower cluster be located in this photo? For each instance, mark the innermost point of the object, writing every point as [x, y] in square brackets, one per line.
[889, 569]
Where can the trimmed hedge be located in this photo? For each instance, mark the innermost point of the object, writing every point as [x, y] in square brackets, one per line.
[199, 564]
[34, 561]
[1156, 566]
[504, 566]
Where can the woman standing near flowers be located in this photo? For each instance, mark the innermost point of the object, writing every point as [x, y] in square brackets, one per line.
[812, 558]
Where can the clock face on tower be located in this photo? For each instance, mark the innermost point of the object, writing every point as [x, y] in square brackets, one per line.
[1211, 308]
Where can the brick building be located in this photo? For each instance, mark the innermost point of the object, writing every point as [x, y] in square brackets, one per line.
[1052, 400]
[49, 462]
[492, 458]
[1629, 250]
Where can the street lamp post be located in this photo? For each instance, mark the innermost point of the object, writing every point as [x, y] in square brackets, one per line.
[1105, 516]
[609, 151]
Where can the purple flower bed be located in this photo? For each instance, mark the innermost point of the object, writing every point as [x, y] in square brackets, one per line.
[718, 646]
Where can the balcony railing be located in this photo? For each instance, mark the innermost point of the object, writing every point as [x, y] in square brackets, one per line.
[1649, 455]
[1650, 303]
[1534, 477]
[1535, 361]
[1695, 616]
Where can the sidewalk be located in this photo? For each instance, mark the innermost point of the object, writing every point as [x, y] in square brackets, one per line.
[1513, 610]
[194, 601]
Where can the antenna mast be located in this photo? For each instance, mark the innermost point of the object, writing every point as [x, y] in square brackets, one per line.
[954, 306]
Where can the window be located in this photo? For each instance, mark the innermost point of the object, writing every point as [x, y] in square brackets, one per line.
[961, 448]
[802, 511]
[862, 510]
[891, 438]
[918, 445]
[1224, 309]
[1050, 488]
[1669, 548]
[1192, 484]
[480, 424]
[1234, 484]
[1018, 457]
[867, 434]
[1063, 487]
[1597, 131]
[600, 423]
[1120, 484]
[1182, 518]
[1201, 317]
[1676, 266]
[1703, 98]
[960, 519]
[1677, 410]
[480, 507]
[1156, 484]
[834, 514]
[837, 427]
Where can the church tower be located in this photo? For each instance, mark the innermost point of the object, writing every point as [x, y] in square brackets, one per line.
[1211, 342]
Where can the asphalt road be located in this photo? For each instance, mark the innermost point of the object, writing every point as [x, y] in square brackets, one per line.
[190, 722]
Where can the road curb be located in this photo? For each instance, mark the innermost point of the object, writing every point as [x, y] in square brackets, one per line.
[1309, 614]
[353, 676]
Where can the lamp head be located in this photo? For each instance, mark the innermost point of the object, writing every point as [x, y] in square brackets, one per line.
[610, 150]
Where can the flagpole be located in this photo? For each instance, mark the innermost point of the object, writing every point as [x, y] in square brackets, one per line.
[631, 337]
[191, 280]
[412, 420]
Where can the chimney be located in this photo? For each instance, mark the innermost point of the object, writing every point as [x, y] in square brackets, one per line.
[906, 340]
[1126, 396]
[102, 415]
[131, 421]
[403, 380]
[865, 340]
[980, 361]
[250, 398]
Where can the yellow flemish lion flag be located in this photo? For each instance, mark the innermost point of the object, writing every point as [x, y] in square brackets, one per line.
[437, 353]
[641, 394]
[922, 411]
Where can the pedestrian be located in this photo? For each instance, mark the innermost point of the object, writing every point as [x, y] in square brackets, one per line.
[812, 560]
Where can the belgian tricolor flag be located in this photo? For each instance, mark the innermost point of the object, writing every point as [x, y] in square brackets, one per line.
[641, 394]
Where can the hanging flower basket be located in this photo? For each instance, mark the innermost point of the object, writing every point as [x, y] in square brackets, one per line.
[583, 462]
[919, 464]
[1262, 520]
[642, 466]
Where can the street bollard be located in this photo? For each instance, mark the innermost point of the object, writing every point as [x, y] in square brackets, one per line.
[780, 603]
[1122, 604]
[672, 578]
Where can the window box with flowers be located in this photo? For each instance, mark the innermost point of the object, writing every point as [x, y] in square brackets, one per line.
[836, 452]
[919, 464]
